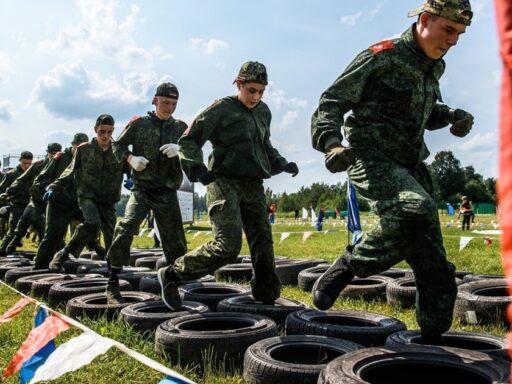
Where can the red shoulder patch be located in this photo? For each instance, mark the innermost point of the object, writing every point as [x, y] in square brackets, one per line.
[83, 144]
[37, 162]
[382, 46]
[134, 118]
[58, 155]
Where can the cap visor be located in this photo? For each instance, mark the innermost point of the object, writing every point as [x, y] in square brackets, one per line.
[414, 12]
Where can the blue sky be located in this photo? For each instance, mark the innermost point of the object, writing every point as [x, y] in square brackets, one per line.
[64, 63]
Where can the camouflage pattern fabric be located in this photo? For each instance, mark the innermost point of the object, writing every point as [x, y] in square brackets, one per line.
[240, 140]
[458, 11]
[96, 216]
[32, 215]
[95, 173]
[9, 178]
[393, 92]
[146, 135]
[164, 203]
[253, 72]
[14, 217]
[233, 204]
[19, 190]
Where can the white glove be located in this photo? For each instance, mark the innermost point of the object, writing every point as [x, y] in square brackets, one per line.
[4, 210]
[170, 150]
[138, 163]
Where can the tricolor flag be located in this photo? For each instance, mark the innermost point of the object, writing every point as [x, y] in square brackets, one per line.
[353, 224]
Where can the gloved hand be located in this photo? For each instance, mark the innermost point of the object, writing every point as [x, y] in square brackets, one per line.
[47, 195]
[138, 163]
[170, 150]
[338, 159]
[5, 209]
[462, 122]
[205, 176]
[128, 184]
[292, 168]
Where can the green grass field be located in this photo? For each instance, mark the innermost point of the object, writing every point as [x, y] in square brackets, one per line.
[116, 367]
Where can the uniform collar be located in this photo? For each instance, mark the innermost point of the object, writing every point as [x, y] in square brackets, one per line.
[410, 42]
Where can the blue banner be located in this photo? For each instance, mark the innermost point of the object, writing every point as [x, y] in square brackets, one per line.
[353, 224]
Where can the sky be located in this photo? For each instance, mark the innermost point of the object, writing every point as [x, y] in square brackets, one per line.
[62, 63]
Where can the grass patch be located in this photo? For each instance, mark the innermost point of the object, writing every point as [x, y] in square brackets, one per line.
[116, 367]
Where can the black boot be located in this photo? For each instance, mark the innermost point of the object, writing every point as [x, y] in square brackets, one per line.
[327, 287]
[169, 285]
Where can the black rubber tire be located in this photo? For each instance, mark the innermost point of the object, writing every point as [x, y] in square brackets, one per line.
[41, 287]
[247, 304]
[62, 292]
[87, 267]
[135, 255]
[234, 272]
[365, 328]
[126, 269]
[147, 315]
[12, 259]
[147, 262]
[247, 259]
[94, 305]
[415, 364]
[161, 262]
[211, 293]
[470, 278]
[488, 299]
[18, 264]
[134, 277]
[395, 273]
[14, 274]
[367, 288]
[226, 335]
[402, 292]
[474, 341]
[149, 283]
[288, 270]
[307, 277]
[24, 284]
[296, 359]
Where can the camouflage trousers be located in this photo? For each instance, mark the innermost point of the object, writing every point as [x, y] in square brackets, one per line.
[14, 217]
[96, 216]
[233, 205]
[407, 228]
[164, 203]
[32, 215]
[58, 217]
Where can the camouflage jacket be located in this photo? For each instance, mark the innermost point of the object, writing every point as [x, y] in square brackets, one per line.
[19, 190]
[240, 140]
[9, 178]
[95, 173]
[50, 173]
[392, 89]
[146, 135]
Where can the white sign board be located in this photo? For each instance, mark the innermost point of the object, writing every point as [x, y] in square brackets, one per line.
[186, 200]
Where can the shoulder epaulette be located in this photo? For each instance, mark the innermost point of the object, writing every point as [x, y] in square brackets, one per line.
[382, 46]
[58, 155]
[83, 144]
[134, 118]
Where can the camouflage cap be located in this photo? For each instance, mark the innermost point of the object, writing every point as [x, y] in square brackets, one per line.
[253, 72]
[458, 11]
[104, 119]
[167, 90]
[53, 147]
[80, 138]
[26, 155]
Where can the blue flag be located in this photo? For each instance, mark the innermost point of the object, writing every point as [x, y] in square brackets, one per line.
[29, 368]
[353, 224]
[172, 380]
[451, 211]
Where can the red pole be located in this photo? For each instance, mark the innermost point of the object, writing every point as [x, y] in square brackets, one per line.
[504, 19]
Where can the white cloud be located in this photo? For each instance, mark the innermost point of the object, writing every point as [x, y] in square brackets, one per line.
[72, 91]
[5, 110]
[101, 34]
[478, 142]
[6, 67]
[208, 47]
[351, 20]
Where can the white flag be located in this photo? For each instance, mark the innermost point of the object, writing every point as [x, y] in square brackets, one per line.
[304, 214]
[313, 216]
[156, 231]
[306, 235]
[284, 236]
[72, 355]
[464, 241]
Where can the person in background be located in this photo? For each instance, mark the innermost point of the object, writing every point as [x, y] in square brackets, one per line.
[466, 211]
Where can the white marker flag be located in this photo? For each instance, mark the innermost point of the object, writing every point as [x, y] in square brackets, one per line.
[464, 241]
[306, 235]
[284, 236]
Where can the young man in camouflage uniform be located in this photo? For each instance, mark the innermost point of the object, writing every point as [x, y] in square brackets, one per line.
[33, 214]
[392, 89]
[157, 175]
[61, 204]
[16, 203]
[97, 177]
[239, 129]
